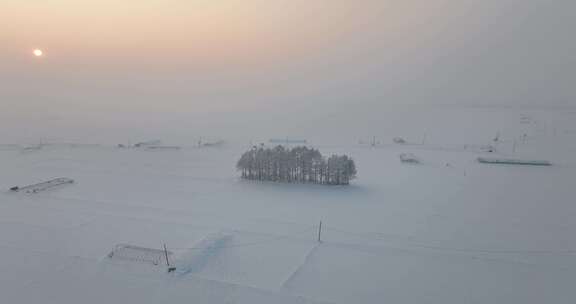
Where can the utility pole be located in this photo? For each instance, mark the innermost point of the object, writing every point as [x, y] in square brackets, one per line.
[320, 232]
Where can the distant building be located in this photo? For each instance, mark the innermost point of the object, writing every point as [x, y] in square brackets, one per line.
[409, 158]
[399, 140]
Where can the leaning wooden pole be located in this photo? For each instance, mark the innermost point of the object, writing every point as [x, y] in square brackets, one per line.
[166, 255]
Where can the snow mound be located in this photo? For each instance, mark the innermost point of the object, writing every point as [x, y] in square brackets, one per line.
[194, 259]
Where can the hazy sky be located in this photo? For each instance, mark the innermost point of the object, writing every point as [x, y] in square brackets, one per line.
[121, 62]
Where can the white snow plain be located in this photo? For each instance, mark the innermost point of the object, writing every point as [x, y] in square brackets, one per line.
[448, 230]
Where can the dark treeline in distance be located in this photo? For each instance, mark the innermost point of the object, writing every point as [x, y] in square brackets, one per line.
[296, 165]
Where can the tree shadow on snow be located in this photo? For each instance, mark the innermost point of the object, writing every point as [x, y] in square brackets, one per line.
[303, 188]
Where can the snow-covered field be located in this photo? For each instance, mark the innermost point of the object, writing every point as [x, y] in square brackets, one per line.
[447, 230]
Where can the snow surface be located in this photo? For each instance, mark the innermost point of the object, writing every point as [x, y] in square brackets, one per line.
[448, 231]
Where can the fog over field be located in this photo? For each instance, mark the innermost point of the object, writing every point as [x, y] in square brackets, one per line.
[134, 165]
[213, 66]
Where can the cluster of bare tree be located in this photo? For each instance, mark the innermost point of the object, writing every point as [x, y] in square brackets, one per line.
[296, 165]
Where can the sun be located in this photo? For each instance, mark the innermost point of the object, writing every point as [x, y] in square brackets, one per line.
[38, 53]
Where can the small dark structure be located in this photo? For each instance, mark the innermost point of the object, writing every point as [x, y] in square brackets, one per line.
[35, 188]
[504, 161]
[409, 158]
[130, 253]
